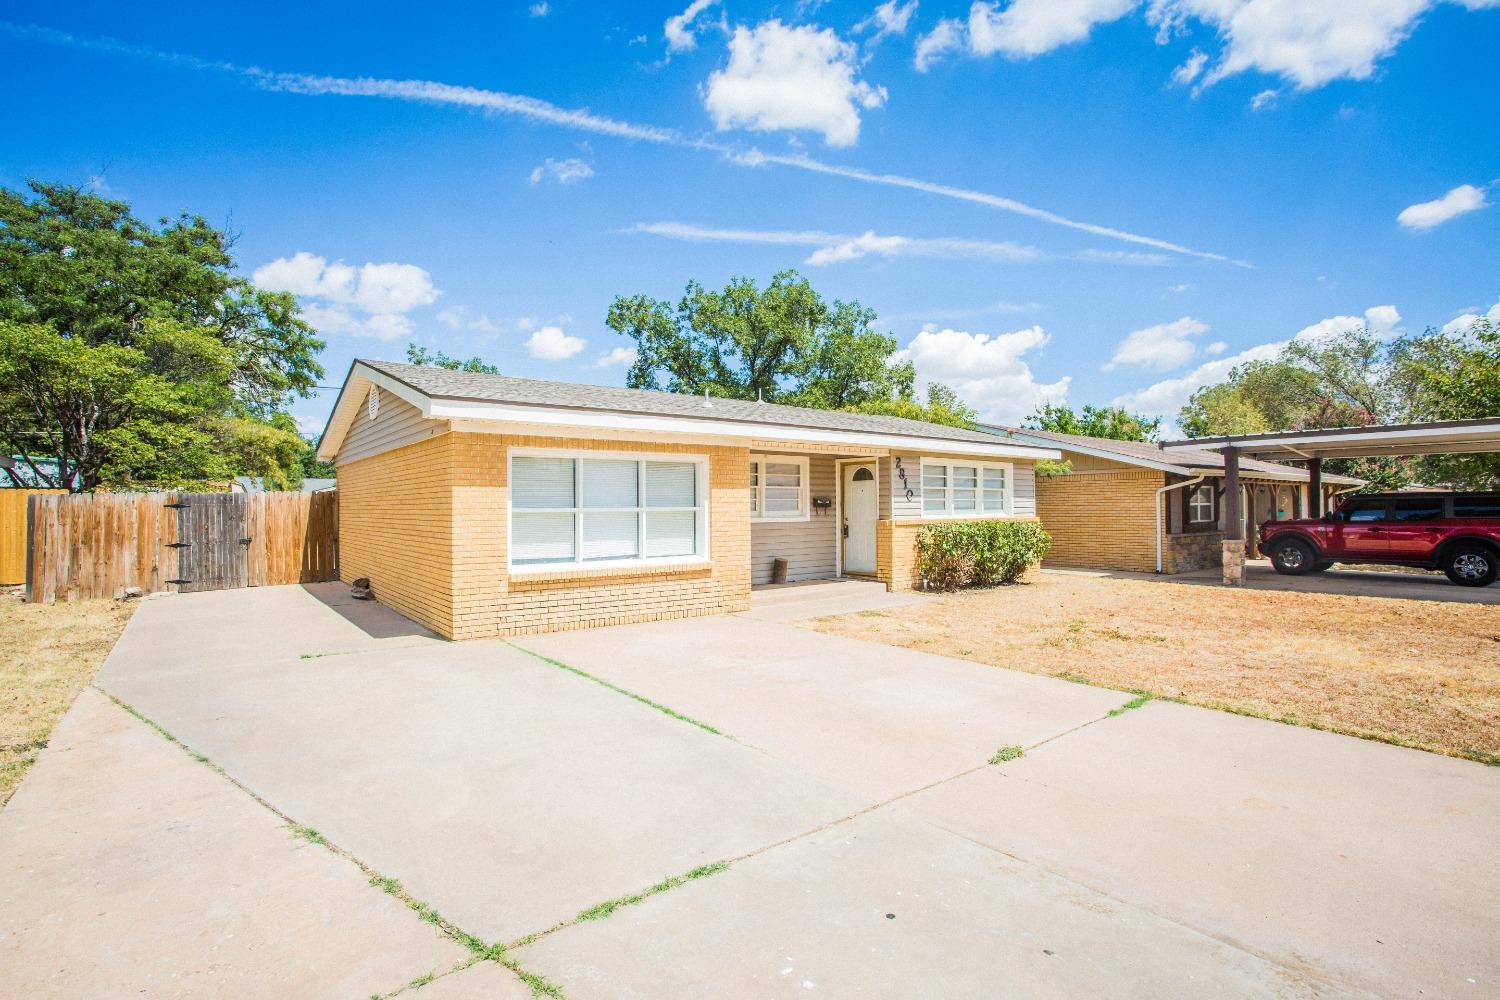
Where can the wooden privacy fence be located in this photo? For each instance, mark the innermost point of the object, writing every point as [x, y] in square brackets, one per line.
[100, 544]
[13, 533]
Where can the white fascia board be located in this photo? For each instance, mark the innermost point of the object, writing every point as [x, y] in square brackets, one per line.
[582, 423]
[1115, 456]
[1444, 435]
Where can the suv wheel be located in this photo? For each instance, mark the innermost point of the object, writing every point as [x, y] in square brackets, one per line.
[1471, 565]
[1294, 557]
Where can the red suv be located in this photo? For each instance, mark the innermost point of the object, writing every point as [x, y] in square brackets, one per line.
[1458, 533]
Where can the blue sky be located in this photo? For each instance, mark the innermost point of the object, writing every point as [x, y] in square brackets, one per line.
[1086, 201]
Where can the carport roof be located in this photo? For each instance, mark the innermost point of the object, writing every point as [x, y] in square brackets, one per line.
[1150, 455]
[1442, 437]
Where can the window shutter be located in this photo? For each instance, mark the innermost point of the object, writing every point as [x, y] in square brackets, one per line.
[541, 483]
[671, 533]
[671, 484]
[541, 537]
[610, 482]
[613, 534]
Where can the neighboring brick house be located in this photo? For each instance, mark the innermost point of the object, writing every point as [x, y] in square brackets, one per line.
[1117, 498]
[484, 505]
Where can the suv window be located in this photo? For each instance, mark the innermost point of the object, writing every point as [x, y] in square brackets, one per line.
[1477, 507]
[1363, 510]
[1419, 510]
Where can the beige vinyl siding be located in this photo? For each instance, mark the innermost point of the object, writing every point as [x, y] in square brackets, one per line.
[807, 546]
[396, 423]
[1023, 485]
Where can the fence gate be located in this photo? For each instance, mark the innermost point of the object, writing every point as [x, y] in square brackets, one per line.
[213, 541]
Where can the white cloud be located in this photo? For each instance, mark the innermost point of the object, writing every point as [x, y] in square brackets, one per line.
[550, 343]
[1461, 324]
[566, 171]
[1190, 70]
[946, 36]
[1427, 215]
[678, 29]
[988, 372]
[540, 9]
[1216, 348]
[1307, 44]
[367, 301]
[1165, 398]
[1161, 347]
[836, 248]
[1381, 321]
[462, 318]
[1027, 28]
[791, 77]
[890, 18]
[620, 356]
[1264, 99]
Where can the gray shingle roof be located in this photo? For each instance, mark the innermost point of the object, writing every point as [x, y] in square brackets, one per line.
[440, 383]
[1186, 459]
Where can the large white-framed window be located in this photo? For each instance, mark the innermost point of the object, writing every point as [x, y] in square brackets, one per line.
[966, 489]
[603, 509]
[778, 487]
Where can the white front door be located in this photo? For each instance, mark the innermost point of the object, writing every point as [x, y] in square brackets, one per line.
[861, 507]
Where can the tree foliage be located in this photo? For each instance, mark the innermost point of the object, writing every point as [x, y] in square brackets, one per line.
[783, 343]
[133, 354]
[1357, 378]
[417, 355]
[1114, 422]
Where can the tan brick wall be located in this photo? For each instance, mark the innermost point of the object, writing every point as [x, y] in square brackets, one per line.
[896, 549]
[427, 524]
[1101, 520]
[394, 514]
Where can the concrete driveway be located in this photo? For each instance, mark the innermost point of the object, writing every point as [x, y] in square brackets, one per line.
[802, 814]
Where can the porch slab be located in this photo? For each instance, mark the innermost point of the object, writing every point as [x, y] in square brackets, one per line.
[1372, 863]
[887, 906]
[877, 719]
[790, 602]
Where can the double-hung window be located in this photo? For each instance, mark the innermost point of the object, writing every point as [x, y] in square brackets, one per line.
[778, 488]
[571, 510]
[965, 489]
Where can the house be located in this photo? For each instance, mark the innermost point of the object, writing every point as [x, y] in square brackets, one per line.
[484, 505]
[1129, 505]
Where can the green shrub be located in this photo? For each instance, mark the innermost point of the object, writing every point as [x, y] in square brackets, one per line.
[978, 553]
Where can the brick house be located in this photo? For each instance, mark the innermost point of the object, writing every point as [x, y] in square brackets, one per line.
[484, 505]
[1118, 499]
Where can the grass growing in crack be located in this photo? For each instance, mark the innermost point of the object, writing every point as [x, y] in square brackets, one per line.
[601, 910]
[1130, 705]
[619, 690]
[478, 950]
[1012, 752]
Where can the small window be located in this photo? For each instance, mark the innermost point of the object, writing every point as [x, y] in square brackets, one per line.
[1486, 507]
[1201, 506]
[965, 490]
[1419, 510]
[863, 475]
[778, 488]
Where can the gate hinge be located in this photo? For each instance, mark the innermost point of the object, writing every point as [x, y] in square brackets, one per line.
[179, 505]
[179, 581]
[179, 545]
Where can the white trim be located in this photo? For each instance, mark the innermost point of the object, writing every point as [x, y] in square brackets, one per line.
[979, 513]
[804, 500]
[1096, 452]
[702, 556]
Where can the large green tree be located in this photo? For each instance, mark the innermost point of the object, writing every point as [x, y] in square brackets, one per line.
[417, 355]
[1113, 422]
[133, 353]
[782, 343]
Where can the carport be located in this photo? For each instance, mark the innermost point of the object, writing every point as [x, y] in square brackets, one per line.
[1442, 437]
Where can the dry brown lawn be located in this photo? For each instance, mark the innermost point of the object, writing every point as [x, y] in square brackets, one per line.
[1419, 673]
[47, 654]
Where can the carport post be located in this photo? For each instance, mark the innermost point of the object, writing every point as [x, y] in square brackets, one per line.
[1234, 521]
[1314, 487]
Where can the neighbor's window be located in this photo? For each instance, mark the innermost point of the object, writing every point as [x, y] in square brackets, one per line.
[962, 489]
[778, 488]
[588, 511]
[1200, 506]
